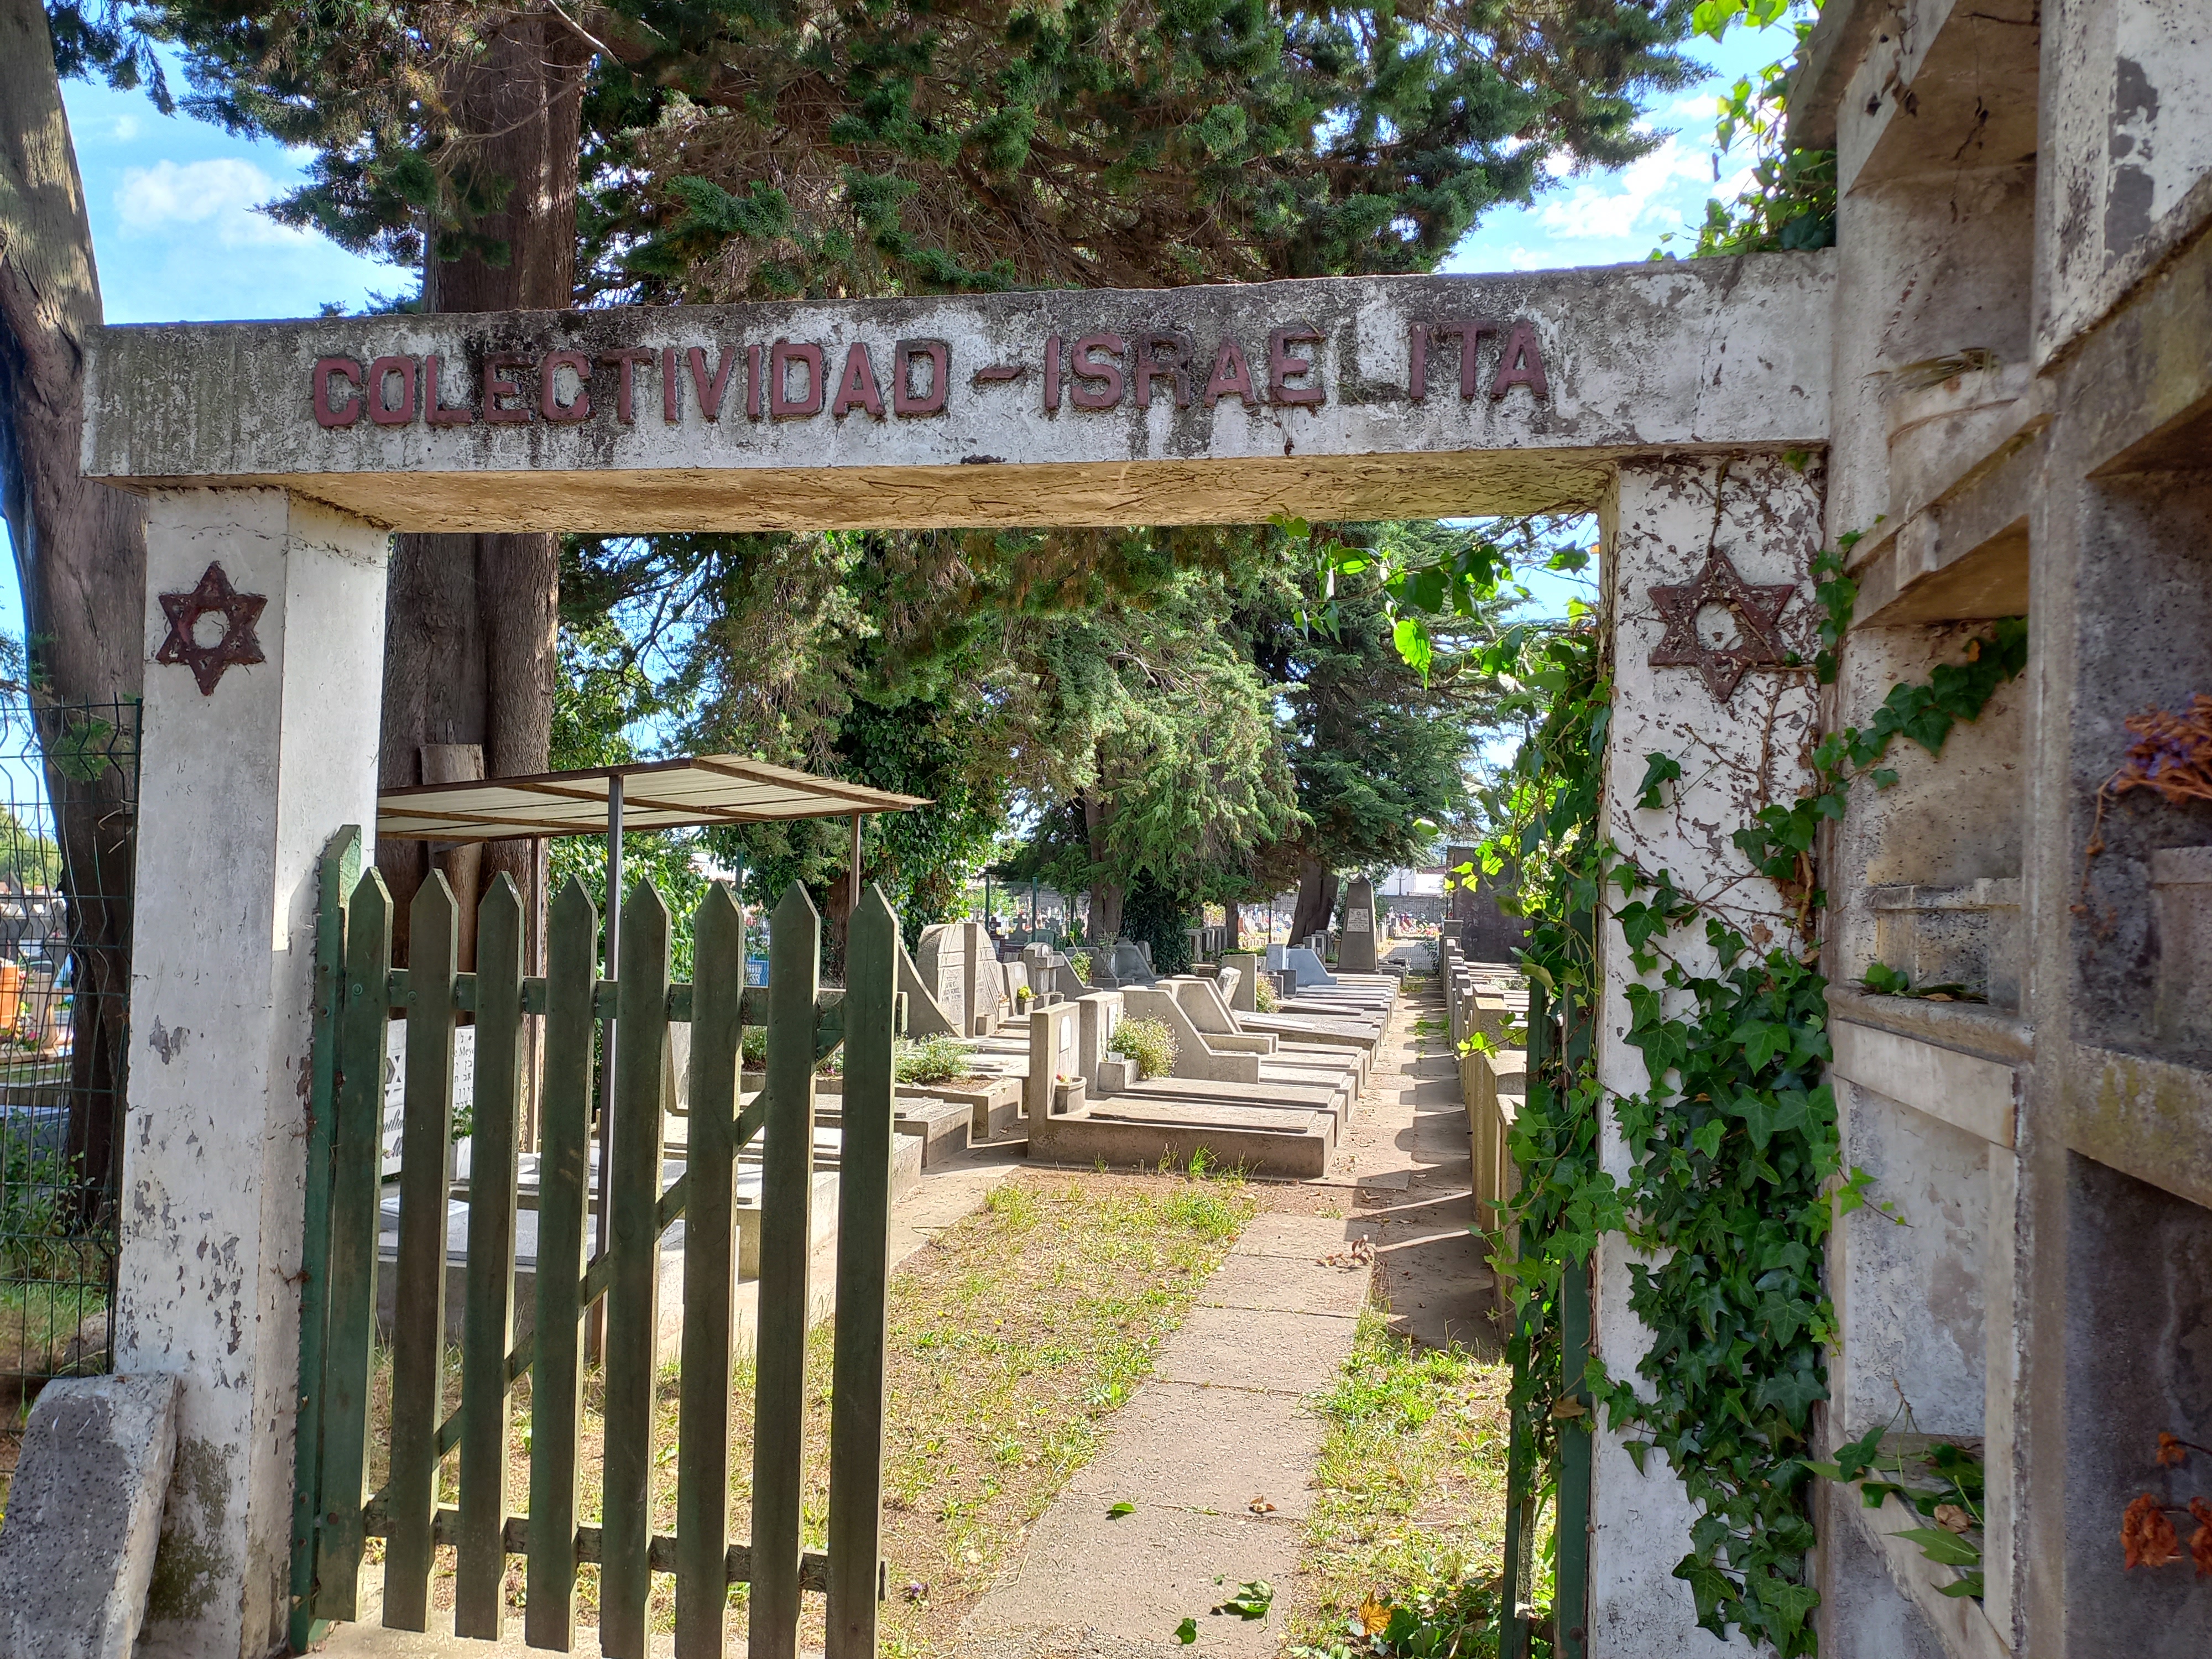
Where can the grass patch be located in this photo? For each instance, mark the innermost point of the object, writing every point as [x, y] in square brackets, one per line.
[1013, 1338]
[1412, 1480]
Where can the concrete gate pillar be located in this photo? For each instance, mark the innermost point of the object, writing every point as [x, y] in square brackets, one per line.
[264, 619]
[1670, 524]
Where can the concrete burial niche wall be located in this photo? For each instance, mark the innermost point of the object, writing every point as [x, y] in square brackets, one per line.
[1173, 406]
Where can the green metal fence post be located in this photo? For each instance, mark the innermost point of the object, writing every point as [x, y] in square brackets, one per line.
[334, 879]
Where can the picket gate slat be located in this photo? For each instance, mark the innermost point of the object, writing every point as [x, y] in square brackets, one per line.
[557, 1395]
[633, 1292]
[803, 1023]
[703, 1471]
[357, 1167]
[787, 1238]
[418, 1303]
[864, 1192]
[488, 1309]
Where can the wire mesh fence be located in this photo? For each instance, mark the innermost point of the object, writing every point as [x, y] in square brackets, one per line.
[69, 788]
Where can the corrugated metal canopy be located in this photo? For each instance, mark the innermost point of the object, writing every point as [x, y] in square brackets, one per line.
[673, 794]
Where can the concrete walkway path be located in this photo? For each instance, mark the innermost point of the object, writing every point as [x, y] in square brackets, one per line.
[1216, 1454]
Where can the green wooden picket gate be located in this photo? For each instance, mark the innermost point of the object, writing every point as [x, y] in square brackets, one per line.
[357, 991]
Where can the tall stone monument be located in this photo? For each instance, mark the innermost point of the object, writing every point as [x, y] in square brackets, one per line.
[1355, 950]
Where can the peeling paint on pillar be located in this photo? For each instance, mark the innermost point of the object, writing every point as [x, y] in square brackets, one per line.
[1737, 757]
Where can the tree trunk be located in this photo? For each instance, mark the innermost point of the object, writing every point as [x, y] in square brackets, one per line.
[80, 551]
[471, 622]
[1316, 900]
[1106, 897]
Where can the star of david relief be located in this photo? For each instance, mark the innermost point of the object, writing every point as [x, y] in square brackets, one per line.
[1757, 608]
[213, 596]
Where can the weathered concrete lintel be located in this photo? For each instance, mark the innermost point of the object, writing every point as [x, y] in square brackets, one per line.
[1340, 397]
[1108, 494]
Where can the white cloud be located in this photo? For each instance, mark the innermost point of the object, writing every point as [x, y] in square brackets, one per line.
[123, 128]
[220, 194]
[1654, 191]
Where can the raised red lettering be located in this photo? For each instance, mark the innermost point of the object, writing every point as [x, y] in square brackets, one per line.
[549, 387]
[327, 413]
[856, 387]
[379, 385]
[1106, 392]
[1520, 362]
[1175, 367]
[1231, 376]
[671, 406]
[710, 391]
[1468, 332]
[1417, 361]
[1052, 374]
[435, 412]
[498, 386]
[1282, 367]
[625, 362]
[781, 356]
[905, 401]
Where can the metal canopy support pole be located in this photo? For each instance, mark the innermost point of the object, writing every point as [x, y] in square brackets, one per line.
[595, 1316]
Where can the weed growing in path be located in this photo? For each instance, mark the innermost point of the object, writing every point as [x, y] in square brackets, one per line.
[1413, 1489]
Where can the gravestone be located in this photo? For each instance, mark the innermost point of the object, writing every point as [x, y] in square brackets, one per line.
[941, 961]
[1356, 953]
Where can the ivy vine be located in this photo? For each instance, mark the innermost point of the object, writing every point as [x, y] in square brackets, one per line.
[1734, 1173]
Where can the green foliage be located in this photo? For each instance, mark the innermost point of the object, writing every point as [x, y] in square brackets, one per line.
[1454, 1622]
[1734, 1173]
[1147, 1042]
[1263, 995]
[1941, 1483]
[27, 859]
[932, 1060]
[1788, 204]
[768, 152]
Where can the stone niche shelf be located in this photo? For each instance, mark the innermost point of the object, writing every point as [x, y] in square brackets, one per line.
[2150, 1117]
[2181, 923]
[1955, 1062]
[1959, 1622]
[1968, 934]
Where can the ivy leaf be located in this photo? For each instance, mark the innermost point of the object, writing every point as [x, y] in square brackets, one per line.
[1790, 1603]
[1658, 768]
[1711, 1588]
[1794, 1391]
[1944, 1548]
[1707, 1136]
